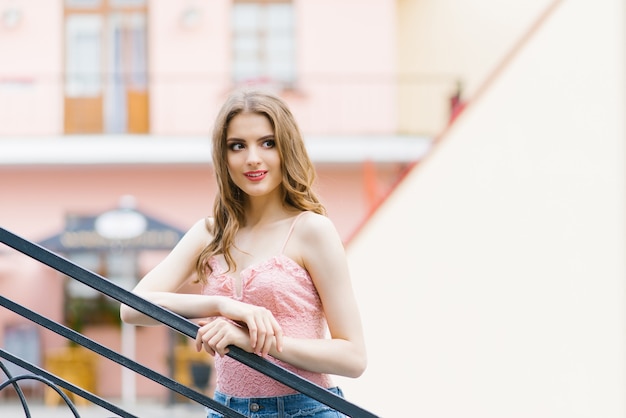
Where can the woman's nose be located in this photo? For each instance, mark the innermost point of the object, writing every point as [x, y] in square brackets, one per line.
[253, 156]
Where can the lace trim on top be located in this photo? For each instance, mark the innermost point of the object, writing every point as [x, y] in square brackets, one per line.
[285, 288]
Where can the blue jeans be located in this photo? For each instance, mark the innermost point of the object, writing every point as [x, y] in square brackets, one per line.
[288, 406]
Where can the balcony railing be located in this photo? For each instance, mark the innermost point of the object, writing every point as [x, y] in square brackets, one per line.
[168, 318]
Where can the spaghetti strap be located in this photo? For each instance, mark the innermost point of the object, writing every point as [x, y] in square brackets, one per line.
[293, 224]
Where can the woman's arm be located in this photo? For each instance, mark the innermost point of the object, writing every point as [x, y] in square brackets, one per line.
[317, 245]
[159, 286]
[161, 283]
[323, 255]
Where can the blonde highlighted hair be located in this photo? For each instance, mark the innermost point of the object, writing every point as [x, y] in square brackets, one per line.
[297, 169]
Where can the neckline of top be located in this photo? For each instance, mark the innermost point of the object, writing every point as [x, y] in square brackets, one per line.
[219, 270]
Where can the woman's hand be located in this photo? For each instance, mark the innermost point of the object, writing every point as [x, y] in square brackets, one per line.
[263, 329]
[217, 334]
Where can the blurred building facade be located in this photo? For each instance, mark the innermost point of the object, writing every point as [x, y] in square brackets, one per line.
[105, 98]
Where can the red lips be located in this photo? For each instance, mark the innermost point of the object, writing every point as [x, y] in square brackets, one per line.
[256, 175]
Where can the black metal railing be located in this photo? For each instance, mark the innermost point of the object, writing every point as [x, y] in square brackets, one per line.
[111, 355]
[53, 382]
[166, 317]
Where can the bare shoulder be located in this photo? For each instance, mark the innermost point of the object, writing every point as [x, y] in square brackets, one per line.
[313, 227]
[319, 249]
[200, 232]
[314, 241]
[312, 222]
[203, 225]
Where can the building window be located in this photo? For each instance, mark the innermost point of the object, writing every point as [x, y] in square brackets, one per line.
[264, 43]
[86, 306]
[106, 89]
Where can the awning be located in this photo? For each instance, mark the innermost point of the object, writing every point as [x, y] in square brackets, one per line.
[81, 234]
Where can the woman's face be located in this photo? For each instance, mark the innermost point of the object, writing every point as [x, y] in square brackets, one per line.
[251, 155]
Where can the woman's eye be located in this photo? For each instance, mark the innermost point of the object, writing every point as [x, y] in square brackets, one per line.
[236, 146]
[270, 143]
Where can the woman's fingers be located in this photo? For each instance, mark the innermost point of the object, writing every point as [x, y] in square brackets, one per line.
[262, 334]
[217, 335]
[212, 341]
[261, 324]
[278, 334]
[220, 343]
[204, 334]
[264, 331]
[269, 337]
[253, 332]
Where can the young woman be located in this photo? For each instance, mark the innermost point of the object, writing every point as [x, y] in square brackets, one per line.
[273, 267]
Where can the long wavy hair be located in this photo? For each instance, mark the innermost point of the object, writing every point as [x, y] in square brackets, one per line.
[297, 170]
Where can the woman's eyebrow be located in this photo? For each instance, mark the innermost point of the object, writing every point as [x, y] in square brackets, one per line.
[264, 137]
[235, 139]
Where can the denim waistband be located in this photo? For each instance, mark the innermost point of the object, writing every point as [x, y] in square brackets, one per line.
[278, 405]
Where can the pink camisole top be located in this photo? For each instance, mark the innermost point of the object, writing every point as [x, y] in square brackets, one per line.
[286, 289]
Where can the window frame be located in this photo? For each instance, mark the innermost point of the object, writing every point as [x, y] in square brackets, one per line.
[262, 34]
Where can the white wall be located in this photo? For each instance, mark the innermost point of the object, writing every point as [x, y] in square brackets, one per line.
[503, 295]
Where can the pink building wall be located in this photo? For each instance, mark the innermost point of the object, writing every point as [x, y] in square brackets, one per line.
[31, 64]
[189, 65]
[347, 66]
[345, 86]
[345, 75]
[35, 201]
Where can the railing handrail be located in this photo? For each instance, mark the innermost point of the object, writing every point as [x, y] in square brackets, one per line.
[111, 355]
[53, 381]
[178, 323]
